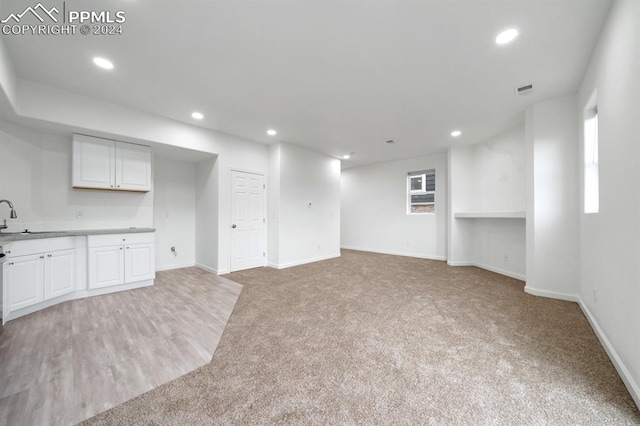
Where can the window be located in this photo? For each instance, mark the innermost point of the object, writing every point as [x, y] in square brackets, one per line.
[421, 192]
[591, 179]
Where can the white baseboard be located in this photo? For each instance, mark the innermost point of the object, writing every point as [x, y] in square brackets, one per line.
[304, 261]
[450, 263]
[170, 267]
[502, 272]
[212, 270]
[396, 253]
[550, 294]
[627, 379]
[490, 268]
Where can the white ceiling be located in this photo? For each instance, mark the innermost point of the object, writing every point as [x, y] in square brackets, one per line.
[334, 76]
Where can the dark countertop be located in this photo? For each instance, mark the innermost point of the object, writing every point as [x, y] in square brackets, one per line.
[8, 237]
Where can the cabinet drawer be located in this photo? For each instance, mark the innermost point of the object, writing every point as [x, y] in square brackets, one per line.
[139, 238]
[105, 240]
[119, 239]
[21, 248]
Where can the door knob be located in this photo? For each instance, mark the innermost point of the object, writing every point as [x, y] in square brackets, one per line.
[233, 226]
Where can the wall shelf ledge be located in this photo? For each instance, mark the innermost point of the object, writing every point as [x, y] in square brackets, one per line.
[515, 214]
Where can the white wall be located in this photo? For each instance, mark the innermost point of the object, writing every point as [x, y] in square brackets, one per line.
[207, 217]
[610, 246]
[239, 155]
[273, 208]
[41, 105]
[307, 212]
[461, 168]
[489, 177]
[374, 209]
[499, 180]
[553, 238]
[35, 174]
[174, 212]
[7, 80]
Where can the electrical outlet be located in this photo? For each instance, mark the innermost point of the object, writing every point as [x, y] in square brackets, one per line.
[506, 258]
[79, 214]
[173, 251]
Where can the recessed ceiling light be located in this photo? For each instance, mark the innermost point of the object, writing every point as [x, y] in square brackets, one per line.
[456, 133]
[103, 63]
[507, 36]
[346, 157]
[197, 115]
[271, 132]
[391, 142]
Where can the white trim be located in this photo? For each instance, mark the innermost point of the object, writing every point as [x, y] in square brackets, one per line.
[180, 266]
[212, 270]
[490, 269]
[265, 210]
[304, 262]
[550, 294]
[397, 253]
[450, 263]
[501, 271]
[627, 378]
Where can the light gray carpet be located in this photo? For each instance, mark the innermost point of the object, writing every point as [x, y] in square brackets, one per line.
[377, 339]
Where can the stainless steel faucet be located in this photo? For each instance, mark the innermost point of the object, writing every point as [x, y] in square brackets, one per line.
[12, 215]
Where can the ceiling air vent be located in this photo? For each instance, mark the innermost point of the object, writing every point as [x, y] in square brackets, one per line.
[524, 90]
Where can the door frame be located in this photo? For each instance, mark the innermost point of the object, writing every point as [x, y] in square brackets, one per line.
[265, 230]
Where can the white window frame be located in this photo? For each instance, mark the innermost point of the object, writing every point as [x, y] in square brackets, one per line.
[421, 191]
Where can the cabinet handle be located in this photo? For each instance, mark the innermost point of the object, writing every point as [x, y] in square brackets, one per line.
[49, 255]
[10, 263]
[111, 186]
[8, 252]
[120, 248]
[127, 248]
[42, 257]
[118, 186]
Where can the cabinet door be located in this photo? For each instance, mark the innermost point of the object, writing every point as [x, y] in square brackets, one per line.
[93, 162]
[139, 262]
[133, 167]
[24, 281]
[106, 266]
[59, 273]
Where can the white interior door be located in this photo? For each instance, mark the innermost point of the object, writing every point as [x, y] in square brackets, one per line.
[247, 221]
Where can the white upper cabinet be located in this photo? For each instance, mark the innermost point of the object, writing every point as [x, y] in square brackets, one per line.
[107, 164]
[94, 162]
[133, 167]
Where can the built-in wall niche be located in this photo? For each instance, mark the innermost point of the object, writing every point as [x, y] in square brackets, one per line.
[110, 165]
[487, 204]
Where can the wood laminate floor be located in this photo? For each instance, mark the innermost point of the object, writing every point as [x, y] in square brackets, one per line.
[69, 362]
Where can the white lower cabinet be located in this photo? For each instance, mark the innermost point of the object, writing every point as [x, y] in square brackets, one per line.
[106, 266]
[24, 281]
[120, 259]
[39, 273]
[34, 278]
[59, 273]
[139, 262]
